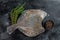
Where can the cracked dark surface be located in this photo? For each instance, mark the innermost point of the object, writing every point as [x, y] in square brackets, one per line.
[52, 7]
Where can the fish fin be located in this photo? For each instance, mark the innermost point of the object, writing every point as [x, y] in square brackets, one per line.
[11, 28]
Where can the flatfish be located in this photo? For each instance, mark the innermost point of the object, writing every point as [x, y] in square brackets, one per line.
[29, 23]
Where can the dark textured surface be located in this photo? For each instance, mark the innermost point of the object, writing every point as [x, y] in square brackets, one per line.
[52, 7]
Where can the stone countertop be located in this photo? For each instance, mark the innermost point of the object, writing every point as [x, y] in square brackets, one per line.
[52, 7]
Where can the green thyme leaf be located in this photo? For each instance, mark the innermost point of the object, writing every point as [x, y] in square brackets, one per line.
[15, 12]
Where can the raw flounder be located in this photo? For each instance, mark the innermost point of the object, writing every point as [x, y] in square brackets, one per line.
[29, 23]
